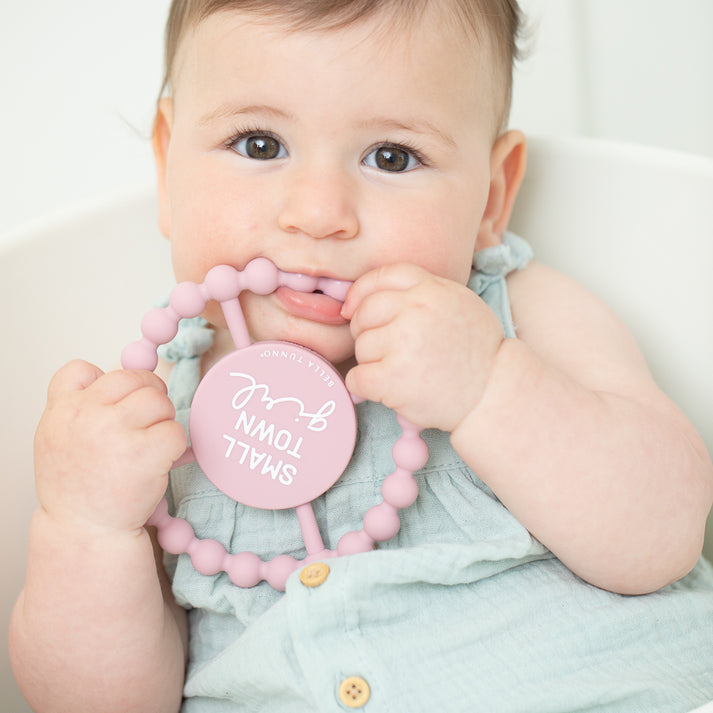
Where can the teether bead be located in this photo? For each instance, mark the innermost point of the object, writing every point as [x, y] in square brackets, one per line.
[159, 326]
[223, 282]
[187, 299]
[139, 355]
[400, 489]
[244, 569]
[299, 283]
[354, 542]
[175, 536]
[261, 276]
[334, 288]
[382, 522]
[410, 452]
[279, 569]
[207, 556]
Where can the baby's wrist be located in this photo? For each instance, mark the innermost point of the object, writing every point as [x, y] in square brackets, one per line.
[495, 397]
[75, 530]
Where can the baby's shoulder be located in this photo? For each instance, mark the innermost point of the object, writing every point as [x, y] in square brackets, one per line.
[573, 329]
[544, 295]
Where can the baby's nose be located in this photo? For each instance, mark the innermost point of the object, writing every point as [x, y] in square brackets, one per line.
[320, 205]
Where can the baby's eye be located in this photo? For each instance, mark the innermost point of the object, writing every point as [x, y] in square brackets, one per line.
[392, 158]
[262, 147]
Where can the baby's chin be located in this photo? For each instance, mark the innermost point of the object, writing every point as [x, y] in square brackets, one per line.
[267, 321]
[335, 344]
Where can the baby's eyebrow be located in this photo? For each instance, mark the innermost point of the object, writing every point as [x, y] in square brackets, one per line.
[415, 125]
[228, 110]
[418, 126]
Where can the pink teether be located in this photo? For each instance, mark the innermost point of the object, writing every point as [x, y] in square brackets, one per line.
[272, 426]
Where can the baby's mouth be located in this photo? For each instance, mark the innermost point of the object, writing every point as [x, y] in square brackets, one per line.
[319, 299]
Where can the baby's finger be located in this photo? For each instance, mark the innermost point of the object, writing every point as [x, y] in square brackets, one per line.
[77, 375]
[366, 382]
[117, 385]
[145, 407]
[376, 310]
[387, 277]
[172, 441]
[371, 345]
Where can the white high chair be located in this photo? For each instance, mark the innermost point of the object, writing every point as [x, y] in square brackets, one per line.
[635, 225]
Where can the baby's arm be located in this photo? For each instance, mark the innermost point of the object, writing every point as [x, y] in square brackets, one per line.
[91, 630]
[582, 446]
[565, 423]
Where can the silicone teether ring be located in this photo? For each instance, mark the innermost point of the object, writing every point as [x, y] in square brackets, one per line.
[176, 536]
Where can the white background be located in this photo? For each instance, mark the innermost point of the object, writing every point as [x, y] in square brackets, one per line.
[79, 78]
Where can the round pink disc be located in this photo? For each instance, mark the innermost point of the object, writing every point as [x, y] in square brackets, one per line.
[272, 425]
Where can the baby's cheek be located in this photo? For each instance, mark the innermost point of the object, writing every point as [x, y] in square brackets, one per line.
[213, 314]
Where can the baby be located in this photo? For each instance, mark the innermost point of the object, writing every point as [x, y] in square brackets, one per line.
[366, 141]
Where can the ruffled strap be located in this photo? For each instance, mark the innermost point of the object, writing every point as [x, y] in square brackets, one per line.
[490, 267]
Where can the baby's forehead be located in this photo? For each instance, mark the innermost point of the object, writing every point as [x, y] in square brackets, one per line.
[463, 22]
[376, 36]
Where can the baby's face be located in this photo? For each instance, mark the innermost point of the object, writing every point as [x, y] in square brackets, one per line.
[330, 153]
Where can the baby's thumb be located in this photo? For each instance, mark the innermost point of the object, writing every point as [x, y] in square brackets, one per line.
[77, 375]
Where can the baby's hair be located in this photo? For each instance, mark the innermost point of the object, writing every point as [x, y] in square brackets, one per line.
[502, 21]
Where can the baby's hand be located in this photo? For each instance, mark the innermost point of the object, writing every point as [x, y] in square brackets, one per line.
[424, 344]
[104, 446]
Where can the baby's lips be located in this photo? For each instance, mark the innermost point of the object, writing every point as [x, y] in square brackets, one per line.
[316, 305]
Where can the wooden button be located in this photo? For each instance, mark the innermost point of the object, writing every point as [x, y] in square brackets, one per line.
[354, 692]
[314, 574]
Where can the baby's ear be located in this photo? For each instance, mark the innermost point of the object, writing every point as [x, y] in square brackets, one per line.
[508, 159]
[160, 139]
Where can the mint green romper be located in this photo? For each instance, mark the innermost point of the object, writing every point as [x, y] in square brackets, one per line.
[462, 611]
